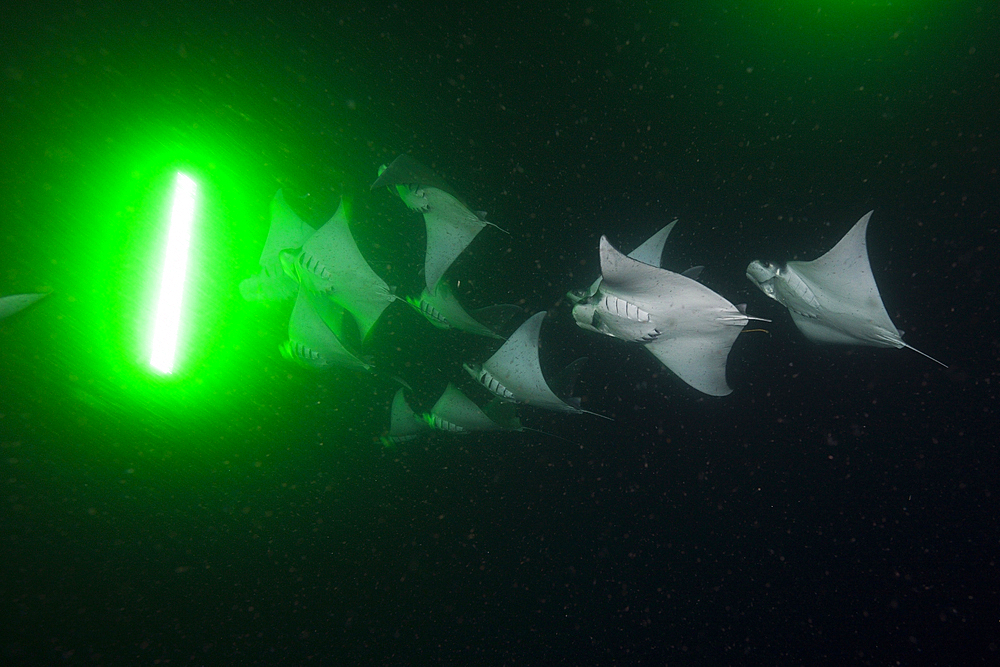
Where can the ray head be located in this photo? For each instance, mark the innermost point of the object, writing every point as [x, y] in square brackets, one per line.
[762, 274]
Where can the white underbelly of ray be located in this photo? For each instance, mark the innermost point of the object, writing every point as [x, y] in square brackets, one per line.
[495, 386]
[621, 319]
[433, 313]
[800, 290]
[650, 337]
[445, 425]
[295, 351]
[320, 277]
[799, 312]
[623, 308]
[415, 200]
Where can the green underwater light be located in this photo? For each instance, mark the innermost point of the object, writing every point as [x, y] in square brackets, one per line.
[171, 296]
[176, 212]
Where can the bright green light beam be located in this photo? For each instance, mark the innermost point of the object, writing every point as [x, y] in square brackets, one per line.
[168, 308]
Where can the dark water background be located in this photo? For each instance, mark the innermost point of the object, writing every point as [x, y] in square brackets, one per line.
[838, 508]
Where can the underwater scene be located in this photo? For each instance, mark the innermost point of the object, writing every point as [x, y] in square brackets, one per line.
[617, 333]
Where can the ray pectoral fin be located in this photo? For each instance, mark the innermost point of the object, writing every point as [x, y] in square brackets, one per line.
[451, 224]
[820, 331]
[367, 311]
[338, 320]
[504, 414]
[451, 227]
[311, 342]
[651, 250]
[833, 299]
[514, 371]
[289, 260]
[837, 287]
[378, 183]
[699, 362]
[693, 273]
[331, 261]
[406, 170]
[847, 261]
[18, 302]
[286, 234]
[455, 412]
[443, 309]
[270, 284]
[287, 230]
[691, 328]
[404, 424]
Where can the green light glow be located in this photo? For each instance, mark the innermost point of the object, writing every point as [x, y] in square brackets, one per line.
[168, 307]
